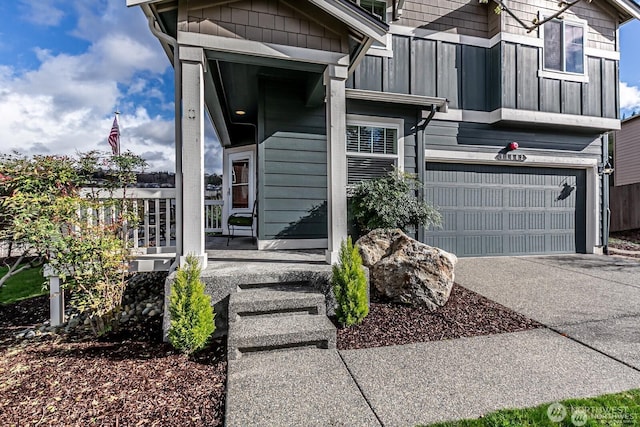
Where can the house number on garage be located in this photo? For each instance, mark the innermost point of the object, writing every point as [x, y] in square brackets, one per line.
[511, 157]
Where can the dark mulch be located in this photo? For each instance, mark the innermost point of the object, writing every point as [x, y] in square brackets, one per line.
[466, 314]
[130, 378]
[627, 240]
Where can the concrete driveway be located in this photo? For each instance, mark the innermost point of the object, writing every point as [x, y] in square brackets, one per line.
[591, 298]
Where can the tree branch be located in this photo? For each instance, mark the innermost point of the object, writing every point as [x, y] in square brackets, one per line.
[564, 6]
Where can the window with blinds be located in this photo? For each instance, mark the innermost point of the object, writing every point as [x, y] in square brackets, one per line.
[372, 151]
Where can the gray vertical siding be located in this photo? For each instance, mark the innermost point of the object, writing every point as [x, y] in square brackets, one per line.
[509, 75]
[480, 79]
[592, 91]
[550, 99]
[292, 190]
[449, 73]
[399, 66]
[571, 97]
[474, 78]
[527, 78]
[423, 67]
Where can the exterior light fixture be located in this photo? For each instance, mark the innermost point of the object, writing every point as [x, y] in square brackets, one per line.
[605, 169]
[240, 112]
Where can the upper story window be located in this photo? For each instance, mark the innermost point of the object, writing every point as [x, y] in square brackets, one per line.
[564, 46]
[378, 8]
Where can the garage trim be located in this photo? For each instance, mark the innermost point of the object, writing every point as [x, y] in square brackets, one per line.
[537, 160]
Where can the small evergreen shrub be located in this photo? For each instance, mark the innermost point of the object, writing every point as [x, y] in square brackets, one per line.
[191, 312]
[391, 201]
[350, 286]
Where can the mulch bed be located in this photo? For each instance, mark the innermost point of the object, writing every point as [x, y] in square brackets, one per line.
[466, 314]
[132, 378]
[626, 240]
[128, 379]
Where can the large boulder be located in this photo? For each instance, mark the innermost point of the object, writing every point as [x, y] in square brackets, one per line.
[407, 271]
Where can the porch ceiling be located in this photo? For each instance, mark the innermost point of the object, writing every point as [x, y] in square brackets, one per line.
[237, 84]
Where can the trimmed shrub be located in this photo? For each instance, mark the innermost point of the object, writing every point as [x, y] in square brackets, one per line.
[191, 312]
[391, 201]
[350, 286]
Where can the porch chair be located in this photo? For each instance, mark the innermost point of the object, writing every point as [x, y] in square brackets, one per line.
[241, 220]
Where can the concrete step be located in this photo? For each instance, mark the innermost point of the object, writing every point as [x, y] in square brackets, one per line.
[261, 334]
[267, 302]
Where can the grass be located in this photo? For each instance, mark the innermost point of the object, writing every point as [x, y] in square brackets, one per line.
[620, 409]
[26, 284]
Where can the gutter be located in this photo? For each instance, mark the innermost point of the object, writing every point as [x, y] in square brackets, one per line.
[177, 69]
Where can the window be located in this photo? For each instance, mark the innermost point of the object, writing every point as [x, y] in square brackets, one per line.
[373, 149]
[564, 46]
[377, 8]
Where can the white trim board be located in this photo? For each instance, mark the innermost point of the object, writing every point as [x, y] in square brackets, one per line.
[267, 50]
[526, 116]
[396, 98]
[271, 244]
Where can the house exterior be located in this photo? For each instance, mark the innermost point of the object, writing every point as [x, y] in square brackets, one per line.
[625, 193]
[311, 96]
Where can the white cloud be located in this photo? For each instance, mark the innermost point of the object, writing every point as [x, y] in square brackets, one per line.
[629, 97]
[41, 12]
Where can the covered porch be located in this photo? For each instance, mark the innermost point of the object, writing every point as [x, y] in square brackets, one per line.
[278, 105]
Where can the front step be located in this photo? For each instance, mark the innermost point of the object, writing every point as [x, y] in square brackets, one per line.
[268, 302]
[260, 333]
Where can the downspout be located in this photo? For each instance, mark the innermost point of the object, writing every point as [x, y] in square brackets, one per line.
[421, 124]
[606, 210]
[177, 69]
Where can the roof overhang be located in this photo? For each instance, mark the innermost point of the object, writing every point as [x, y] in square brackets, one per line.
[355, 18]
[629, 9]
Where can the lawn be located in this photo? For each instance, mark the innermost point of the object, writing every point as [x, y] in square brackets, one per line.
[620, 409]
[26, 284]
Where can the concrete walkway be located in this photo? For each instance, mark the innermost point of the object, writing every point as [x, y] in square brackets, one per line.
[594, 300]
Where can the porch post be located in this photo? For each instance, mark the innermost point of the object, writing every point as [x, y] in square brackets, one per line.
[193, 237]
[334, 79]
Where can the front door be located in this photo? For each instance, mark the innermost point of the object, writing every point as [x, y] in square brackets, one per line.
[241, 183]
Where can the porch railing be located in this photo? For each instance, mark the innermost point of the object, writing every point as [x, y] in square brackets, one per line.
[156, 213]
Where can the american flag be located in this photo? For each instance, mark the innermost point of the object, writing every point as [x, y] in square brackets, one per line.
[114, 137]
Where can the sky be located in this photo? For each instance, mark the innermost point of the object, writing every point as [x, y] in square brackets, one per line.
[66, 66]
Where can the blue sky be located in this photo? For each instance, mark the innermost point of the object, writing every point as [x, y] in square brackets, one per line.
[65, 66]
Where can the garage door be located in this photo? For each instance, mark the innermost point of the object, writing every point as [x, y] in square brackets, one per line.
[503, 210]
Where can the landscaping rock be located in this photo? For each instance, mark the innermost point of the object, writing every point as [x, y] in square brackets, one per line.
[407, 271]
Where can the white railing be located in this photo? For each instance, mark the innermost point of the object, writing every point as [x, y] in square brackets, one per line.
[156, 213]
[213, 216]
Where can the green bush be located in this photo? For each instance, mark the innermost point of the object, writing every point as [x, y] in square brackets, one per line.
[191, 312]
[391, 202]
[350, 286]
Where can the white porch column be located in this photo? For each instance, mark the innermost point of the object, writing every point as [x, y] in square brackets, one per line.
[193, 237]
[334, 80]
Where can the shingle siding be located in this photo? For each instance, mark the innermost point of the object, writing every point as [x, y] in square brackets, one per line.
[268, 21]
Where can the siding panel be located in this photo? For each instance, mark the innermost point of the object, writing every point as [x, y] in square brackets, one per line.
[609, 101]
[571, 98]
[292, 203]
[474, 78]
[449, 73]
[424, 67]
[509, 75]
[399, 66]
[592, 91]
[527, 78]
[550, 95]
